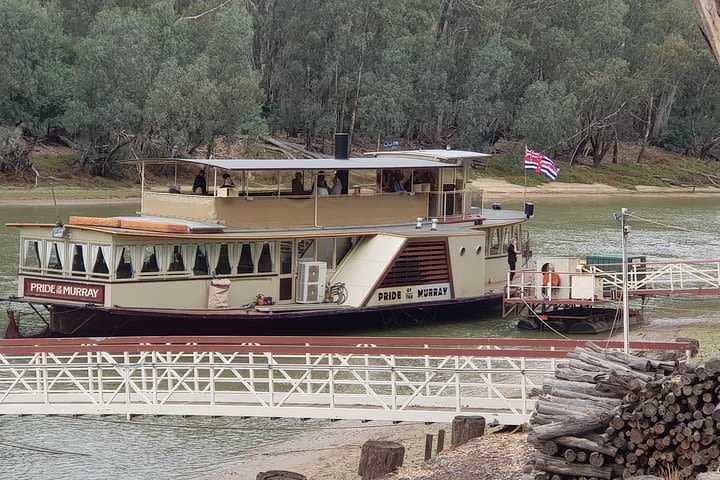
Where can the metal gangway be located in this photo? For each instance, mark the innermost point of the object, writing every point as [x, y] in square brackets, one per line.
[377, 378]
[595, 285]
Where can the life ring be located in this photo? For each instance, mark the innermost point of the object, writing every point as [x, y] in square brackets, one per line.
[551, 279]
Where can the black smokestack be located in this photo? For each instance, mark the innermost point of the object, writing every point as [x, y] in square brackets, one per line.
[342, 152]
[342, 149]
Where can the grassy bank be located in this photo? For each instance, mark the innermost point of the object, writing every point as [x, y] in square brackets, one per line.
[658, 168]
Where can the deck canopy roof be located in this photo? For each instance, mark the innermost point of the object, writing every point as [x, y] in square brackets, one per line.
[447, 156]
[256, 164]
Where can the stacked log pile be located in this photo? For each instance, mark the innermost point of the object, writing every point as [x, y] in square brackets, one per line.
[609, 415]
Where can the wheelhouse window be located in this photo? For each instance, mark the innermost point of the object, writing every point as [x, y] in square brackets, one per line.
[246, 263]
[266, 260]
[149, 258]
[176, 259]
[79, 258]
[55, 256]
[223, 266]
[100, 260]
[31, 254]
[125, 262]
[493, 242]
[201, 263]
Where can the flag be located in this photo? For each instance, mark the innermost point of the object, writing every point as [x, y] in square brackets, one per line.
[541, 164]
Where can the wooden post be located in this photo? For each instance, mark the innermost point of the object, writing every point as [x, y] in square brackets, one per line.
[280, 475]
[465, 428]
[441, 440]
[378, 458]
[428, 446]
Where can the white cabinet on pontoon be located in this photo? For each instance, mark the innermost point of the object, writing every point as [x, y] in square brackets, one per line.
[311, 282]
[563, 268]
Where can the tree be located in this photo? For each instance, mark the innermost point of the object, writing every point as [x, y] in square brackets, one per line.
[547, 116]
[36, 83]
[150, 79]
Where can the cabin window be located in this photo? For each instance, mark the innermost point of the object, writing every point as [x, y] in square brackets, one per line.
[125, 262]
[150, 259]
[266, 261]
[201, 265]
[342, 247]
[223, 264]
[493, 242]
[31, 257]
[246, 264]
[176, 258]
[286, 250]
[100, 259]
[325, 251]
[306, 250]
[79, 258]
[55, 255]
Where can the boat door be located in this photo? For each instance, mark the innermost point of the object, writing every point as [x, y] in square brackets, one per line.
[287, 273]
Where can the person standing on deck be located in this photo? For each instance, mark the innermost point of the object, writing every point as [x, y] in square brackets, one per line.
[200, 184]
[512, 257]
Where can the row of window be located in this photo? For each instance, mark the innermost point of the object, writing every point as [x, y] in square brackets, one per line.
[498, 239]
[135, 261]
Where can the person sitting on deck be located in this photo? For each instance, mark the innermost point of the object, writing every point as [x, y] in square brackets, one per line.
[297, 184]
[200, 184]
[227, 181]
[322, 186]
[337, 186]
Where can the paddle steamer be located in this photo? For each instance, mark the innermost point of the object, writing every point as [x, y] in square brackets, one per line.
[258, 257]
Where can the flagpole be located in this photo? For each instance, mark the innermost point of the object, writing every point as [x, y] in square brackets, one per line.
[525, 188]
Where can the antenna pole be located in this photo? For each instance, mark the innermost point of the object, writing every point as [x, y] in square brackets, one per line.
[57, 215]
[625, 289]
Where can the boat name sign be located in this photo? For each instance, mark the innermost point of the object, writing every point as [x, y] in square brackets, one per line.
[83, 292]
[413, 294]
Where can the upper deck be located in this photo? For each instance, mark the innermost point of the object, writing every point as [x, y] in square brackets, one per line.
[277, 194]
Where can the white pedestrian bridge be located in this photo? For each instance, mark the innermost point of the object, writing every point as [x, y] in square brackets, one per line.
[371, 378]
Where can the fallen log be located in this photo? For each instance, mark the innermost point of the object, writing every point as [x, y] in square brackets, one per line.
[550, 464]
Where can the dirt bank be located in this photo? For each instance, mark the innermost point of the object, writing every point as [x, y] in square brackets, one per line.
[500, 189]
[332, 453]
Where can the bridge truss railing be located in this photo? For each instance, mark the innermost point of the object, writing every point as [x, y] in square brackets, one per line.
[391, 380]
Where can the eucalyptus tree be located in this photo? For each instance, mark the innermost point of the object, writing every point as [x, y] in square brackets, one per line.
[150, 77]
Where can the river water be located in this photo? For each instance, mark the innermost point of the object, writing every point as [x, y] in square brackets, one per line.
[174, 448]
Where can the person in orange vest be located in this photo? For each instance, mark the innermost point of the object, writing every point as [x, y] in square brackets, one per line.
[551, 281]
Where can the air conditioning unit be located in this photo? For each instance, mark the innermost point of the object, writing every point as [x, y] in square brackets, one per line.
[311, 282]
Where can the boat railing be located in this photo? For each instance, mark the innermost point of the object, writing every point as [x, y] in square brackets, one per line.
[593, 283]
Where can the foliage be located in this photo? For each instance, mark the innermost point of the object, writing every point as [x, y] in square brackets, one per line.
[573, 77]
[35, 81]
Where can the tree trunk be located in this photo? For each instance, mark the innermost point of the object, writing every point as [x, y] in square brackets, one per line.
[648, 126]
[664, 109]
[378, 458]
[465, 428]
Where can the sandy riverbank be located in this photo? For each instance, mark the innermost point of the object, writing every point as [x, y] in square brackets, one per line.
[333, 452]
[502, 190]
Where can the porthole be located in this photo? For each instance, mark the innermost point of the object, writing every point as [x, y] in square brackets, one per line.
[478, 249]
[462, 251]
